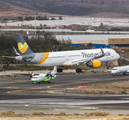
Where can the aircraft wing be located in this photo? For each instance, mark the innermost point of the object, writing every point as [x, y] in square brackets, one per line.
[77, 61]
[83, 60]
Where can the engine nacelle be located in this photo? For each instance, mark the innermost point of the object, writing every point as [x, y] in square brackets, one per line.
[19, 58]
[94, 64]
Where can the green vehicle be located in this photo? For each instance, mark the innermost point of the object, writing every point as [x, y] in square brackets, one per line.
[38, 78]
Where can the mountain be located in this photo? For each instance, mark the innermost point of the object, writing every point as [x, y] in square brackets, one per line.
[91, 8]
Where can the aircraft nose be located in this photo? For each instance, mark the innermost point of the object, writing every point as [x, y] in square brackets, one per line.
[113, 72]
[118, 56]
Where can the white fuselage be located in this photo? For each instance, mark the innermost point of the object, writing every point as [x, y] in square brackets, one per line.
[121, 69]
[66, 58]
[38, 77]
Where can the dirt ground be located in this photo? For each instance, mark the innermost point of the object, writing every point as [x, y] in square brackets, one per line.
[69, 117]
[102, 88]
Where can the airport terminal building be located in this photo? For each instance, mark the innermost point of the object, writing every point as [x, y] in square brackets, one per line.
[120, 41]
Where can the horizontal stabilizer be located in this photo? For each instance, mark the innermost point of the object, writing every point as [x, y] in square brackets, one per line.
[8, 56]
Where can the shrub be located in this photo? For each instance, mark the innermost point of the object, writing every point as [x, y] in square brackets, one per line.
[123, 92]
[90, 114]
[2, 114]
[86, 114]
[41, 113]
[10, 113]
[35, 113]
[120, 114]
[98, 113]
[19, 115]
[76, 114]
[106, 92]
[62, 113]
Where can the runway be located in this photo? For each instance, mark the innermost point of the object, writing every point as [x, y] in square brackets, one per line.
[16, 92]
[65, 80]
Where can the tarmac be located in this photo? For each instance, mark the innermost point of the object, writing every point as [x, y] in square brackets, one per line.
[20, 95]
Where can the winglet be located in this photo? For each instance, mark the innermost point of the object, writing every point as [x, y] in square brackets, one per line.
[102, 50]
[102, 55]
[15, 51]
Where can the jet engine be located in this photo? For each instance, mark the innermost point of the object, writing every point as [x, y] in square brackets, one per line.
[94, 64]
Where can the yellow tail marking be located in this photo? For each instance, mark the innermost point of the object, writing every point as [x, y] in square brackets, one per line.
[22, 47]
[44, 58]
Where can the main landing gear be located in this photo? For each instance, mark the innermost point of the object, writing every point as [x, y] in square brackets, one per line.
[60, 70]
[107, 64]
[78, 70]
[124, 73]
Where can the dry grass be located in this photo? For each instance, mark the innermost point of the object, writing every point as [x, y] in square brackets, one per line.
[102, 88]
[69, 117]
[10, 115]
[62, 113]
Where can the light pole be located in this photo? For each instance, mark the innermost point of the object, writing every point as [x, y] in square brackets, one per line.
[35, 25]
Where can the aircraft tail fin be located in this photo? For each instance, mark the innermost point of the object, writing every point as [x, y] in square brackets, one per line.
[23, 47]
[54, 71]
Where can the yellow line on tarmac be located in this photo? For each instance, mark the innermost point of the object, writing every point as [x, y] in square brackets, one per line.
[26, 105]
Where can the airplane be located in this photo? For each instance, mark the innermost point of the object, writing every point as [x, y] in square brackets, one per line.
[90, 57]
[120, 69]
[38, 78]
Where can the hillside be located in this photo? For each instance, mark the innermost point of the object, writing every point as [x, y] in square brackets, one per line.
[10, 10]
[91, 8]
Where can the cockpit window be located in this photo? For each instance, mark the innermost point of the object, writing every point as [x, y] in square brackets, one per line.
[34, 77]
[114, 69]
[35, 74]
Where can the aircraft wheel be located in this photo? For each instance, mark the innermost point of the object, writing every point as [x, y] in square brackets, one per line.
[107, 65]
[124, 73]
[112, 74]
[78, 70]
[60, 70]
[34, 82]
[38, 82]
[49, 82]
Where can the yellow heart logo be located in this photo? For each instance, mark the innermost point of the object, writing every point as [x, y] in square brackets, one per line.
[22, 47]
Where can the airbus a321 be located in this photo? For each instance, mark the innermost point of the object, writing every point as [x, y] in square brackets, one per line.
[90, 57]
